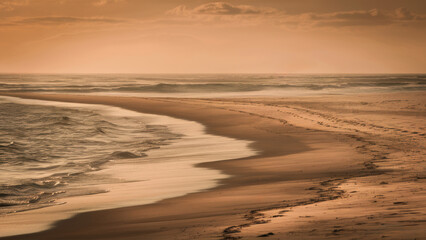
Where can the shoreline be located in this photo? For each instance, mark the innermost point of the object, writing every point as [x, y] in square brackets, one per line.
[296, 168]
[137, 180]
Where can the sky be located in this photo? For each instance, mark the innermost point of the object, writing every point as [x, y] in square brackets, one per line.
[198, 36]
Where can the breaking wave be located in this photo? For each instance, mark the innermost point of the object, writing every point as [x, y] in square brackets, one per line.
[207, 83]
[48, 152]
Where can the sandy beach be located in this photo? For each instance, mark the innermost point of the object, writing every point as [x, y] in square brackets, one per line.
[329, 167]
[212, 120]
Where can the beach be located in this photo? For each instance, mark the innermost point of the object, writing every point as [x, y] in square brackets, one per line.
[212, 120]
[334, 166]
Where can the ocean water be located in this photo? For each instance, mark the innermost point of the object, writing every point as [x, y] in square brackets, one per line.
[60, 159]
[51, 152]
[48, 151]
[212, 85]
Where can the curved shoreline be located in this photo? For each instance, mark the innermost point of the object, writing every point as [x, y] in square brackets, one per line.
[170, 163]
[283, 170]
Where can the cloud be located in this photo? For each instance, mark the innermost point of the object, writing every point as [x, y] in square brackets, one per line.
[65, 20]
[100, 3]
[10, 5]
[220, 8]
[405, 14]
[373, 17]
[222, 12]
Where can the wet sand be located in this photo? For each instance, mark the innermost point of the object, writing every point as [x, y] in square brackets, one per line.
[167, 172]
[339, 167]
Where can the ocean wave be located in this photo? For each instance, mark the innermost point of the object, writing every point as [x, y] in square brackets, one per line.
[222, 87]
[203, 83]
[47, 152]
[126, 155]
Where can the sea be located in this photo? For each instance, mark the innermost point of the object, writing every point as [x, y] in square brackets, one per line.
[212, 85]
[51, 152]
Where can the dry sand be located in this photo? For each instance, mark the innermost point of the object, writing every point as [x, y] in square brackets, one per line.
[343, 167]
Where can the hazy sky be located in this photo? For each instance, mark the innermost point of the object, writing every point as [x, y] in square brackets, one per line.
[197, 36]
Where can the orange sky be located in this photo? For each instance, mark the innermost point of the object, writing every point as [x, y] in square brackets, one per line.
[197, 36]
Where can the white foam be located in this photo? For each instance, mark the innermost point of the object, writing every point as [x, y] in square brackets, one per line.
[165, 173]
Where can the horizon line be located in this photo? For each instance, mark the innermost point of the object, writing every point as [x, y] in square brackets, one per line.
[211, 73]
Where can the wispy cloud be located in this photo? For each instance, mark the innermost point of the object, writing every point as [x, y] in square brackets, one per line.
[219, 12]
[373, 17]
[100, 3]
[220, 8]
[64, 20]
[10, 5]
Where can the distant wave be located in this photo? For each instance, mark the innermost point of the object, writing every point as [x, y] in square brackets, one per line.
[231, 83]
[207, 88]
[126, 155]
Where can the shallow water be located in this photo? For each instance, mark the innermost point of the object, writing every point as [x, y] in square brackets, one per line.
[132, 159]
[48, 152]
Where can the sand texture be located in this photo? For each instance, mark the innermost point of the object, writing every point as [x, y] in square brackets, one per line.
[329, 167]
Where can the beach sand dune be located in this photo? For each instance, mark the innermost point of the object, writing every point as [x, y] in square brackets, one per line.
[339, 167]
